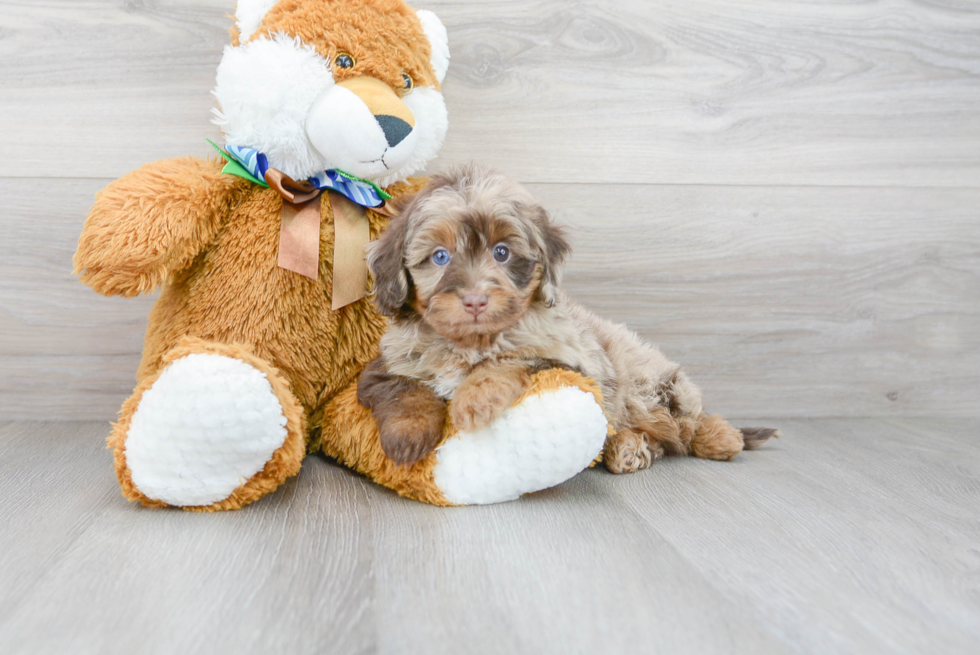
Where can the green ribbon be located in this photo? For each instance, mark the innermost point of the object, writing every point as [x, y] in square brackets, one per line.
[234, 168]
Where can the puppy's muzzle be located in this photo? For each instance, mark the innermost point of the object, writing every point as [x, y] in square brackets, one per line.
[475, 303]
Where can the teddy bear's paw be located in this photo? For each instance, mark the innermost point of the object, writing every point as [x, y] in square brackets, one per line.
[542, 441]
[205, 427]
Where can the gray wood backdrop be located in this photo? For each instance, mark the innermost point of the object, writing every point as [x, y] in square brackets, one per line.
[784, 195]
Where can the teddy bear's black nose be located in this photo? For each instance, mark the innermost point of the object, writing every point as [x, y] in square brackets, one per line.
[395, 129]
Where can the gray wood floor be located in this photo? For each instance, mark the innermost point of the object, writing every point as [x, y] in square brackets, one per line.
[846, 536]
[784, 195]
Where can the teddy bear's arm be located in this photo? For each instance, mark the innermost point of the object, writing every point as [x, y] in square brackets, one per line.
[152, 222]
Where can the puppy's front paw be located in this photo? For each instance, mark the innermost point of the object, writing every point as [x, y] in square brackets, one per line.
[484, 396]
[469, 414]
[408, 439]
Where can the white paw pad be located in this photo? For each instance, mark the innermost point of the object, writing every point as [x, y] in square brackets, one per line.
[538, 444]
[205, 427]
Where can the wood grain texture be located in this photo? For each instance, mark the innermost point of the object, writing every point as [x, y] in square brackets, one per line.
[783, 195]
[96, 574]
[781, 294]
[846, 536]
[780, 301]
[568, 570]
[868, 526]
[640, 91]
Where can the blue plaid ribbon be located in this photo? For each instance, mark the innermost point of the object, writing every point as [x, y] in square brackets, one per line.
[362, 192]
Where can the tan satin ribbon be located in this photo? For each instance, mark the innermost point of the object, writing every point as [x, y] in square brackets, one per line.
[299, 237]
[352, 233]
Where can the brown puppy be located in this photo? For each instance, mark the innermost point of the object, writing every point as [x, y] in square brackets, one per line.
[470, 271]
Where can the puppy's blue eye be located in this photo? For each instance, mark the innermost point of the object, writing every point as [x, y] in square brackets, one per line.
[441, 257]
[501, 253]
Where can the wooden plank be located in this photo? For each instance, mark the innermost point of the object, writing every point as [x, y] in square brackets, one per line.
[569, 570]
[853, 536]
[290, 574]
[639, 91]
[55, 480]
[67, 353]
[791, 301]
[846, 536]
[780, 301]
[67, 387]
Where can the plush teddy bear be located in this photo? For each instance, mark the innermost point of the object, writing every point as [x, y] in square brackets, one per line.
[263, 325]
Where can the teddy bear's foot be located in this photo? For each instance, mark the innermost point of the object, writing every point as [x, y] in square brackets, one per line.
[553, 432]
[217, 428]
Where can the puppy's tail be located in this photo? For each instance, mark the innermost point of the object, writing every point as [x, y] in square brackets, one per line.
[756, 437]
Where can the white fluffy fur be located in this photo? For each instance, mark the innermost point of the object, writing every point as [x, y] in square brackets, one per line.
[249, 15]
[205, 427]
[356, 144]
[265, 89]
[538, 444]
[439, 39]
[431, 124]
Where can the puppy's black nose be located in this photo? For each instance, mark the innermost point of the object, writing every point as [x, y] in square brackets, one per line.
[475, 303]
[395, 129]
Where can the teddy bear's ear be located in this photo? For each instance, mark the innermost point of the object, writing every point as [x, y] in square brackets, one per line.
[249, 15]
[439, 38]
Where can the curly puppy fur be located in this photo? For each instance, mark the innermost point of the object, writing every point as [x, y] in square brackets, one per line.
[470, 273]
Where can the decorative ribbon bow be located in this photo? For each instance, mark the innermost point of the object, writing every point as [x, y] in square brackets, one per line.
[299, 237]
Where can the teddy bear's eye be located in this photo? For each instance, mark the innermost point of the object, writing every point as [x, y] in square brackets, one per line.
[408, 82]
[344, 60]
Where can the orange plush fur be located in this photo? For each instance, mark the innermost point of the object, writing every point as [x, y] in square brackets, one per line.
[381, 35]
[211, 240]
[220, 235]
[359, 445]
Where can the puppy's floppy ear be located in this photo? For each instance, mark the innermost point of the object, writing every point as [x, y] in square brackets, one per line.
[386, 260]
[554, 248]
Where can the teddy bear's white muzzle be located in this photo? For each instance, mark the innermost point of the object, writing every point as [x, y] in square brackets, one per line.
[351, 138]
